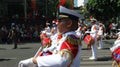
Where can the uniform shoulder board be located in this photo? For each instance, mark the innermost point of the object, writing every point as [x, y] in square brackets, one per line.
[73, 40]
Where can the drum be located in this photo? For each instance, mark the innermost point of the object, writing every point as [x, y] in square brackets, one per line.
[46, 42]
[116, 54]
[89, 40]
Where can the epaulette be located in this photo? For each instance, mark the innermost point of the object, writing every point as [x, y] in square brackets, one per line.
[72, 39]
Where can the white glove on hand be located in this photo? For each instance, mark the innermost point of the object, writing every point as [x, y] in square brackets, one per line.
[26, 63]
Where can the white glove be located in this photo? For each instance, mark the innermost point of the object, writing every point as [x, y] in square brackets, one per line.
[27, 62]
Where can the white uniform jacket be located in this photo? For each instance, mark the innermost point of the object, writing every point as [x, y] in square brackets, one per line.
[56, 60]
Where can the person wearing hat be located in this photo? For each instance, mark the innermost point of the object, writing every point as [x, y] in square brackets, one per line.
[45, 40]
[116, 43]
[53, 29]
[93, 33]
[47, 29]
[66, 52]
[115, 49]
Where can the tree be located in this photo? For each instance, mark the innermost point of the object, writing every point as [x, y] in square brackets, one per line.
[49, 8]
[104, 9]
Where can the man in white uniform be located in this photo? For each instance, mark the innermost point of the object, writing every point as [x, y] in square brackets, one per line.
[116, 43]
[93, 33]
[66, 48]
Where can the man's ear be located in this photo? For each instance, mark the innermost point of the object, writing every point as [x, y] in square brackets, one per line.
[69, 23]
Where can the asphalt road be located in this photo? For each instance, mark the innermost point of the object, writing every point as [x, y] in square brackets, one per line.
[10, 57]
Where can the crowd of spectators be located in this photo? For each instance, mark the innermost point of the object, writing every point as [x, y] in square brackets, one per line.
[30, 31]
[25, 32]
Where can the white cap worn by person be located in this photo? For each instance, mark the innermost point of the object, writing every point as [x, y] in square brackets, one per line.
[64, 12]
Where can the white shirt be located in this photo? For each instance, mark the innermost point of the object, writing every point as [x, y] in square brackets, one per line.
[100, 31]
[94, 30]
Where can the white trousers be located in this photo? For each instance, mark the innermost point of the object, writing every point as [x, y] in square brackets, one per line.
[100, 43]
[94, 49]
[27, 63]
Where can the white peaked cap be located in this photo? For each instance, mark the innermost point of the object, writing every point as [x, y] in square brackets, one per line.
[70, 12]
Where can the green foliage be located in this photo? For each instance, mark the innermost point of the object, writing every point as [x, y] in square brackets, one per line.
[104, 9]
[50, 7]
[67, 4]
[92, 3]
[118, 3]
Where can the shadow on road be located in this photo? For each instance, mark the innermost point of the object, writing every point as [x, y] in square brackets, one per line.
[107, 48]
[104, 59]
[5, 59]
[25, 48]
[86, 48]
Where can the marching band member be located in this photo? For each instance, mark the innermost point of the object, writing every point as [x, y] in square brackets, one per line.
[93, 33]
[100, 35]
[79, 30]
[45, 40]
[47, 29]
[115, 49]
[53, 29]
[67, 46]
[116, 43]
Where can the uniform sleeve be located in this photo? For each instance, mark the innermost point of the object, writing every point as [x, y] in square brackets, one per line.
[54, 60]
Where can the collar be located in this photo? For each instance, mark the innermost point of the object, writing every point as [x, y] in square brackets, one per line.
[69, 33]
